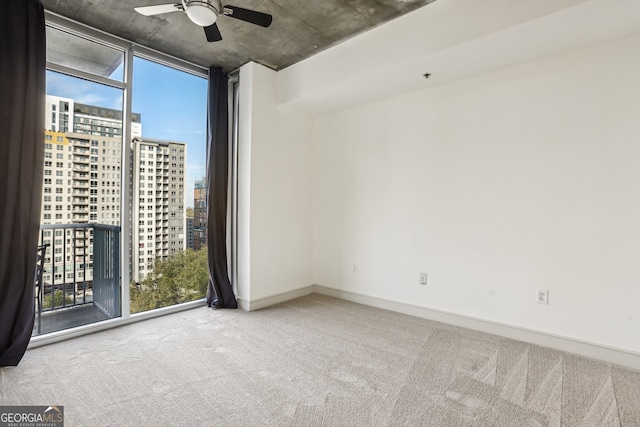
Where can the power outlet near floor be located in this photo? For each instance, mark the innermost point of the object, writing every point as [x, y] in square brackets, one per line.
[423, 278]
[542, 296]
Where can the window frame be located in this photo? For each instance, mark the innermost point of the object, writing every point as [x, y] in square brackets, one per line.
[129, 50]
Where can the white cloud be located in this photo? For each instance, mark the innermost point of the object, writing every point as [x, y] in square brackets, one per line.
[83, 91]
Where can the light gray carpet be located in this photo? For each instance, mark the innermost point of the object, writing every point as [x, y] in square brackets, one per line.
[316, 361]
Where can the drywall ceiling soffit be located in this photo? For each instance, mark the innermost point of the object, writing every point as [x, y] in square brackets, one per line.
[502, 35]
[300, 28]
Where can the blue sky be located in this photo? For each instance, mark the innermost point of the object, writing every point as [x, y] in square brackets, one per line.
[172, 104]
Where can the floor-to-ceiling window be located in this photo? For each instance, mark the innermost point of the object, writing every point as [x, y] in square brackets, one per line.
[82, 188]
[169, 252]
[123, 168]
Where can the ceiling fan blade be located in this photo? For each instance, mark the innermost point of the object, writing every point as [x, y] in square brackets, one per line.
[158, 9]
[258, 18]
[213, 33]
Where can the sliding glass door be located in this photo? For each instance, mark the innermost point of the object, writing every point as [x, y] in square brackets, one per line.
[123, 219]
[81, 197]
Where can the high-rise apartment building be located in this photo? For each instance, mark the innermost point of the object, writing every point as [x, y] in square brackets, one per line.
[82, 176]
[158, 211]
[199, 214]
[66, 115]
[81, 185]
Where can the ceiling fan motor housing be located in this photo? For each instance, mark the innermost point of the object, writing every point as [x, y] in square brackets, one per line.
[205, 14]
[202, 12]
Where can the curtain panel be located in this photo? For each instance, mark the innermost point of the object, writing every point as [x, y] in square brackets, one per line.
[22, 99]
[220, 292]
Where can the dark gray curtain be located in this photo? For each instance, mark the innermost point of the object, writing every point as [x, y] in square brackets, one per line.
[220, 292]
[22, 97]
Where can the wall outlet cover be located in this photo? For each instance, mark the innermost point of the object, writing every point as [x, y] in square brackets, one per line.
[423, 278]
[542, 296]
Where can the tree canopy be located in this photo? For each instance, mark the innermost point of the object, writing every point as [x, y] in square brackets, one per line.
[180, 278]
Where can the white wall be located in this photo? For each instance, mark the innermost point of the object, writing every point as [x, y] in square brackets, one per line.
[495, 186]
[275, 191]
[513, 168]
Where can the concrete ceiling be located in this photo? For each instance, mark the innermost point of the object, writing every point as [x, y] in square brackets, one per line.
[300, 28]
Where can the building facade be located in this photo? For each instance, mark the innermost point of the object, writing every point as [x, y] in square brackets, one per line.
[200, 214]
[66, 115]
[81, 184]
[158, 211]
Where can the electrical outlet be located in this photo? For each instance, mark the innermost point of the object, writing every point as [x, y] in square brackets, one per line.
[354, 268]
[542, 296]
[423, 278]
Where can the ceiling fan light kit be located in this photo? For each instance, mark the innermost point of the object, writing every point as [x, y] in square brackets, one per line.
[203, 13]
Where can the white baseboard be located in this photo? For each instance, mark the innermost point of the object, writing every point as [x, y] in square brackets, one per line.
[601, 352]
[258, 303]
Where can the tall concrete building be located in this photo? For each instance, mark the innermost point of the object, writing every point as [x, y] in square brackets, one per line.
[82, 176]
[158, 211]
[81, 185]
[66, 115]
[199, 214]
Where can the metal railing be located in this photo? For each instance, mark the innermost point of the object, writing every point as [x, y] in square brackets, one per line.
[81, 268]
[106, 269]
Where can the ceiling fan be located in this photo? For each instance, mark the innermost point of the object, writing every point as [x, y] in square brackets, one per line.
[205, 13]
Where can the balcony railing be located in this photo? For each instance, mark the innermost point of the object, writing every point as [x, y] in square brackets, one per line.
[81, 278]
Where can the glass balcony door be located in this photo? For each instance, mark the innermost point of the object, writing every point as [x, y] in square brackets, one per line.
[123, 178]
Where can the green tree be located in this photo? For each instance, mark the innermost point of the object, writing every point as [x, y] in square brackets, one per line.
[58, 300]
[180, 278]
